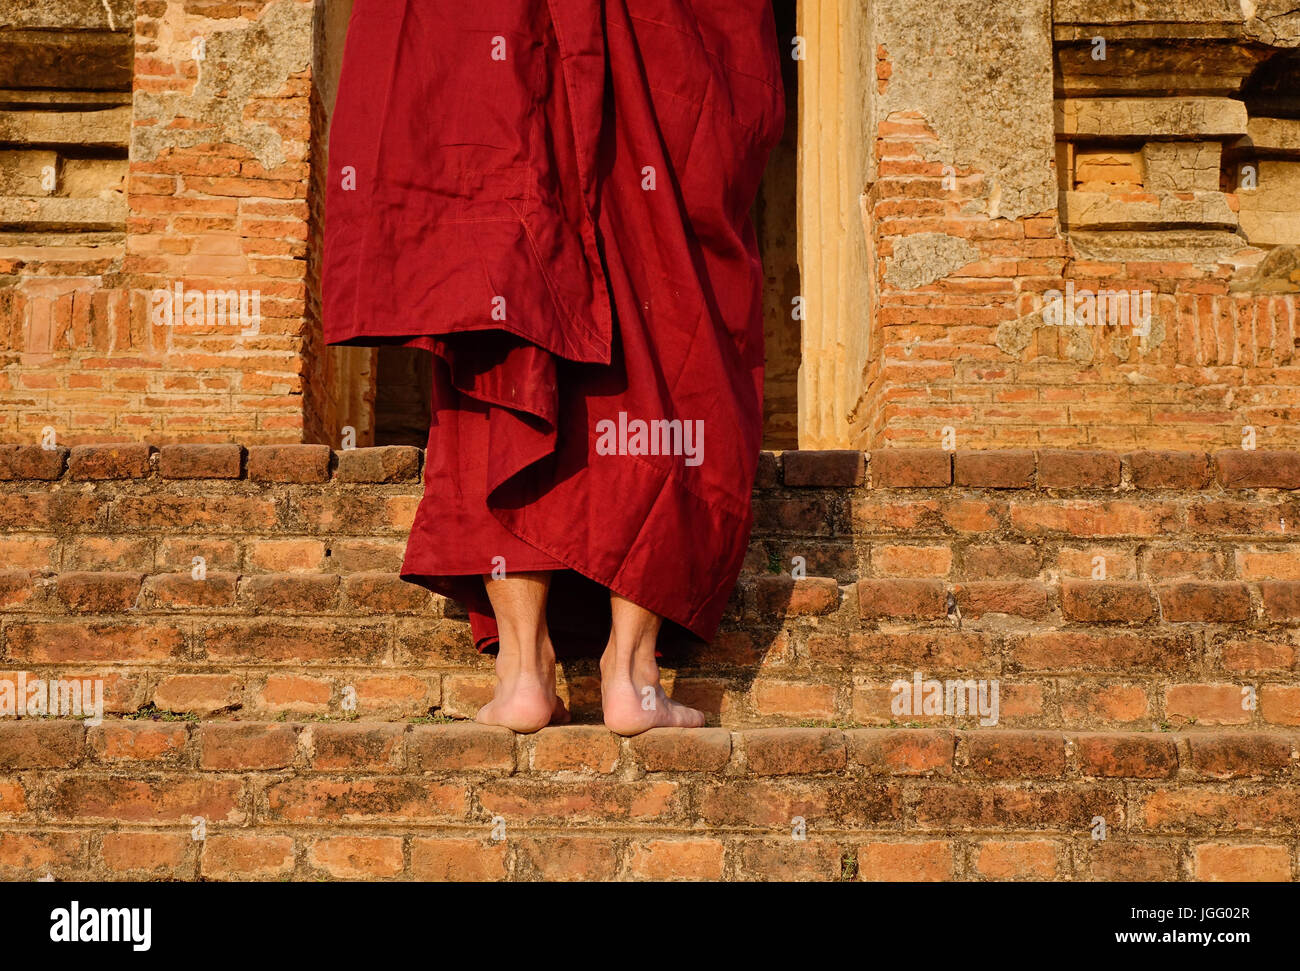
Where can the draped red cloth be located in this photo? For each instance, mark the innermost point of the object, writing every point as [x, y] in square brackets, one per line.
[553, 197]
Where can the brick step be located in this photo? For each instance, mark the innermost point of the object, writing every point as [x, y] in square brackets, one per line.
[126, 799]
[950, 567]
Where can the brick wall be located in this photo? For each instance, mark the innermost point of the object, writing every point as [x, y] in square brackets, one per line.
[1161, 700]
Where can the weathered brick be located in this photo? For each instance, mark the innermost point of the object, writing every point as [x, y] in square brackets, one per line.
[1126, 756]
[676, 859]
[901, 599]
[289, 463]
[683, 749]
[1236, 755]
[358, 857]
[913, 751]
[1241, 862]
[1107, 601]
[242, 747]
[1017, 859]
[1212, 603]
[1168, 470]
[1077, 469]
[794, 751]
[392, 463]
[823, 468]
[98, 593]
[31, 462]
[995, 469]
[447, 859]
[200, 461]
[924, 861]
[127, 461]
[449, 748]
[575, 748]
[1015, 754]
[910, 468]
[1258, 469]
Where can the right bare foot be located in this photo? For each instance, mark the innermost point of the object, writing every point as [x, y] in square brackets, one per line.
[524, 700]
[634, 701]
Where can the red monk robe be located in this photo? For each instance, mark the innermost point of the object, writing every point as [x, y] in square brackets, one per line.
[553, 197]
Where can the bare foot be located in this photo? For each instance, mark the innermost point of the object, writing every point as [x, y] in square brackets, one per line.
[634, 701]
[524, 700]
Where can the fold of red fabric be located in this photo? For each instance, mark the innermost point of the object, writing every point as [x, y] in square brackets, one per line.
[553, 198]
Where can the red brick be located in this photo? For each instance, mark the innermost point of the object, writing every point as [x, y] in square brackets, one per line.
[1120, 861]
[794, 751]
[1258, 469]
[1241, 862]
[823, 468]
[148, 854]
[575, 748]
[247, 857]
[295, 693]
[103, 593]
[789, 699]
[162, 800]
[200, 461]
[683, 749]
[1110, 651]
[910, 561]
[561, 858]
[139, 741]
[289, 463]
[128, 461]
[198, 693]
[386, 800]
[171, 590]
[441, 860]
[1281, 600]
[290, 592]
[599, 801]
[1127, 756]
[1213, 603]
[31, 462]
[452, 748]
[392, 463]
[911, 751]
[910, 468]
[782, 596]
[29, 743]
[902, 599]
[1014, 754]
[1208, 704]
[1237, 755]
[788, 860]
[1107, 601]
[358, 857]
[385, 593]
[1280, 704]
[1019, 598]
[1077, 469]
[1168, 470]
[994, 469]
[364, 746]
[1016, 859]
[928, 861]
[246, 746]
[1003, 560]
[676, 859]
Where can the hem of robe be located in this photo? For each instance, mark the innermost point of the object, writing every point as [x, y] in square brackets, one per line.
[426, 564]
